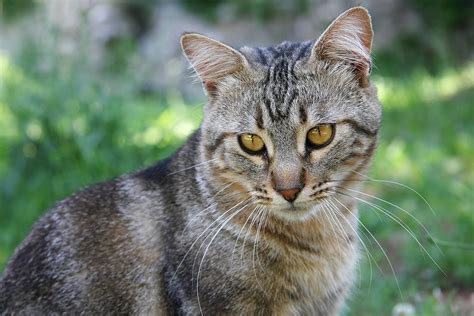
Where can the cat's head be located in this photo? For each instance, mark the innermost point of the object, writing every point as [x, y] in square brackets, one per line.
[286, 124]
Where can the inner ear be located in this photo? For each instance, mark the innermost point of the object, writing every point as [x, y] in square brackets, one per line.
[362, 71]
[210, 87]
[211, 59]
[348, 39]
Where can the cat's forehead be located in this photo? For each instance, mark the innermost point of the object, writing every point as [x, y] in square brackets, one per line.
[290, 52]
[283, 89]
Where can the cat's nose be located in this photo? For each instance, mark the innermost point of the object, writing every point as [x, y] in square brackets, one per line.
[290, 194]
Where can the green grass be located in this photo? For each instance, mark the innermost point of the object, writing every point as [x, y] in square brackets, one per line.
[64, 128]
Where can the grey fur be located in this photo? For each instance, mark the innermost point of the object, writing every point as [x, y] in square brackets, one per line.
[136, 244]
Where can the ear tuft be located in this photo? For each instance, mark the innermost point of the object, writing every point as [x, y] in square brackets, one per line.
[348, 39]
[211, 59]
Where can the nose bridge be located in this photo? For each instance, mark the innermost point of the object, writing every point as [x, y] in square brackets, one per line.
[287, 171]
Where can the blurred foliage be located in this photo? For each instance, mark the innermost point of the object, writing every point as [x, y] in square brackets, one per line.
[261, 9]
[413, 51]
[65, 124]
[12, 9]
[445, 15]
[445, 39]
[140, 12]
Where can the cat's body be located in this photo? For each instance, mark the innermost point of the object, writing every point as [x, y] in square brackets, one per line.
[217, 229]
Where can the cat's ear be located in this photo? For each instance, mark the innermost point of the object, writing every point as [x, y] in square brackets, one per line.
[211, 59]
[348, 39]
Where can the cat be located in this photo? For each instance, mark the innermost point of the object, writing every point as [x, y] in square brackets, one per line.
[248, 217]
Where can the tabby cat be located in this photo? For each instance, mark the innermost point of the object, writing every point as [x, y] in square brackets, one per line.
[248, 217]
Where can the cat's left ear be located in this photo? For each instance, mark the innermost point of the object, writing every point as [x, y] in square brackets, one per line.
[211, 59]
[348, 39]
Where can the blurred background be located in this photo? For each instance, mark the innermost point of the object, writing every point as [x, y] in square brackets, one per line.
[92, 89]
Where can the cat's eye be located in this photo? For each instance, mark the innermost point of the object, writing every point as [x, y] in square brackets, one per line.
[320, 135]
[251, 144]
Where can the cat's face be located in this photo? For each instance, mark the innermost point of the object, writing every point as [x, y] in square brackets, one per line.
[287, 126]
[291, 158]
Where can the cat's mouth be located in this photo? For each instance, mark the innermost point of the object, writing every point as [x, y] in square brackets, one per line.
[297, 212]
[300, 206]
[300, 211]
[310, 201]
[308, 197]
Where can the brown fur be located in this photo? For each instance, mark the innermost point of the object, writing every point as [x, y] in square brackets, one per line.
[210, 230]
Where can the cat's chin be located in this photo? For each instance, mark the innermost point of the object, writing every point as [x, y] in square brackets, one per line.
[295, 213]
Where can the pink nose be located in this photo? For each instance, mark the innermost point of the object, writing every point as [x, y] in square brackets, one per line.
[290, 194]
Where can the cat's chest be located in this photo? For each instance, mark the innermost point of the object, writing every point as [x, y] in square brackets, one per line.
[308, 285]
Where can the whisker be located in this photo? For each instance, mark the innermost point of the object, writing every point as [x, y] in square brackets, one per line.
[396, 206]
[383, 181]
[193, 166]
[336, 221]
[380, 247]
[210, 206]
[370, 258]
[211, 232]
[259, 216]
[325, 212]
[267, 215]
[197, 239]
[333, 208]
[207, 248]
[241, 229]
[402, 185]
[398, 221]
[337, 212]
[247, 234]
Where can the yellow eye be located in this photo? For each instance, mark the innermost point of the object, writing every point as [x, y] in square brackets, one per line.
[251, 143]
[320, 135]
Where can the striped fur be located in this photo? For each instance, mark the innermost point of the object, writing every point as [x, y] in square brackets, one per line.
[206, 230]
